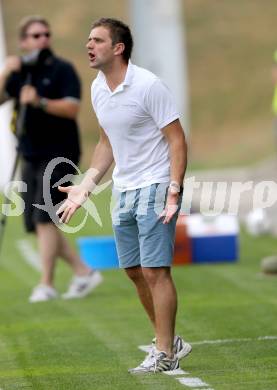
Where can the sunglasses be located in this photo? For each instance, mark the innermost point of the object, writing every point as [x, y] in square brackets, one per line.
[38, 35]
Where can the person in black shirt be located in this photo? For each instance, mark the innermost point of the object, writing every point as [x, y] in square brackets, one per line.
[52, 97]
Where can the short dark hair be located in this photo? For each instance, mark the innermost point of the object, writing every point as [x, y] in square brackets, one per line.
[26, 22]
[120, 33]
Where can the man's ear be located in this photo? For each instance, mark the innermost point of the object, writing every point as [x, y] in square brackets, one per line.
[119, 48]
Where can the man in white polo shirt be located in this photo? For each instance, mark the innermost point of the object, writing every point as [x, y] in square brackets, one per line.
[141, 132]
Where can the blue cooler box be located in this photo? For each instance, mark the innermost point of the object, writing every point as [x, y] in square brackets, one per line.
[98, 252]
[213, 239]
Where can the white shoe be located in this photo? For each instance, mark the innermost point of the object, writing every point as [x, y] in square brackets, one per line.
[83, 285]
[149, 357]
[181, 348]
[43, 293]
[158, 362]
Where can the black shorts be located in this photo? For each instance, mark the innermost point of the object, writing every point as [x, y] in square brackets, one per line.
[40, 191]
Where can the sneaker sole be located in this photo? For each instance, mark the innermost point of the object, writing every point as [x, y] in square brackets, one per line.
[142, 372]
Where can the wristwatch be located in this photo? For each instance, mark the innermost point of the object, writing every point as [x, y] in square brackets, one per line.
[174, 188]
[43, 103]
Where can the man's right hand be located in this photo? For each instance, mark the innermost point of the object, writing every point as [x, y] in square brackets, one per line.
[12, 64]
[77, 195]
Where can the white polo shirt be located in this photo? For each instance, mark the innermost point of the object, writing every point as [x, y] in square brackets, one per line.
[132, 116]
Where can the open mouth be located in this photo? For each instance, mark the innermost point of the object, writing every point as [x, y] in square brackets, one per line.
[91, 56]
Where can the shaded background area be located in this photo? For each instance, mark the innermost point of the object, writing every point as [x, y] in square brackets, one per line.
[230, 52]
[230, 46]
[70, 24]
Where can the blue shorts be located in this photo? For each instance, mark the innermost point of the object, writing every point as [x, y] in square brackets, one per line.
[141, 237]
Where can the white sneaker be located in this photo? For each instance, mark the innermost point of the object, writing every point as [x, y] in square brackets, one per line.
[180, 347]
[149, 357]
[83, 285]
[43, 293]
[158, 362]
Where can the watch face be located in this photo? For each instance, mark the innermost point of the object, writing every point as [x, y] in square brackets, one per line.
[173, 190]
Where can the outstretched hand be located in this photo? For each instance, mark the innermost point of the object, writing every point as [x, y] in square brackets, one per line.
[77, 195]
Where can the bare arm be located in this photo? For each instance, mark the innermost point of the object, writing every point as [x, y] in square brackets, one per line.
[177, 149]
[102, 159]
[65, 108]
[178, 163]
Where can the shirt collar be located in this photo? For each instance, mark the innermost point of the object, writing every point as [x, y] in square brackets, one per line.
[129, 74]
[101, 79]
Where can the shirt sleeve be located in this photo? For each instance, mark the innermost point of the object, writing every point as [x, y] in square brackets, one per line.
[70, 85]
[161, 105]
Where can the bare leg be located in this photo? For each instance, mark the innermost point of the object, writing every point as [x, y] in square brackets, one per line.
[165, 305]
[52, 244]
[72, 257]
[144, 293]
[48, 243]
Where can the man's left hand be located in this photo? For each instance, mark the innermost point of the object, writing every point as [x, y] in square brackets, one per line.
[171, 207]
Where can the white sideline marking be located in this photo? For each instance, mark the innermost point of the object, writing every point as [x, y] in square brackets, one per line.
[223, 341]
[267, 338]
[179, 371]
[147, 348]
[192, 382]
[29, 254]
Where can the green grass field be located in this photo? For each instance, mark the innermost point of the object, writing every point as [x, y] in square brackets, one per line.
[90, 343]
